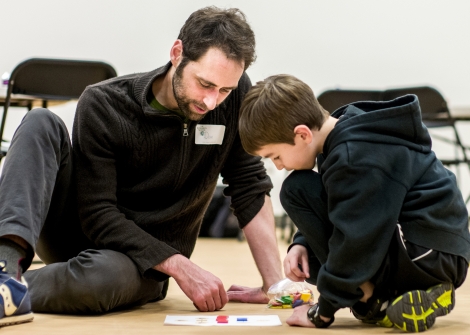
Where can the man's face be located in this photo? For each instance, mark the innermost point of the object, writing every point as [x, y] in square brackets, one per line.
[201, 86]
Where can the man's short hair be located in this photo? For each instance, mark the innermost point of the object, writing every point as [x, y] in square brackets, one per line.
[273, 108]
[225, 29]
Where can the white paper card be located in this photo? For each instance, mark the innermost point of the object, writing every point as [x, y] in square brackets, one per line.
[233, 320]
[209, 134]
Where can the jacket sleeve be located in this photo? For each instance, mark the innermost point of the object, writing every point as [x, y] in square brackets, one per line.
[364, 204]
[96, 143]
[246, 176]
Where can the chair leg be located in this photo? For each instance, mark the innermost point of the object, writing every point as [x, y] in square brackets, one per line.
[462, 147]
[464, 153]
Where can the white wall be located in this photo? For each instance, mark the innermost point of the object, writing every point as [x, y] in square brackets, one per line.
[354, 44]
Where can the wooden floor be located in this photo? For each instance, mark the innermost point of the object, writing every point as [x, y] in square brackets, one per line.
[231, 261]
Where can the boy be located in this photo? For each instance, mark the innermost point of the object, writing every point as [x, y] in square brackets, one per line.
[382, 227]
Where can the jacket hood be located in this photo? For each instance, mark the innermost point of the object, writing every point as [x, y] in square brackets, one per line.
[395, 122]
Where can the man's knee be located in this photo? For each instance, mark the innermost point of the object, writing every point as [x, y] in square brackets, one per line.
[40, 126]
[41, 119]
[40, 116]
[109, 280]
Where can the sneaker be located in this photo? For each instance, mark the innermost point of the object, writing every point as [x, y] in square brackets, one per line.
[416, 311]
[373, 312]
[15, 304]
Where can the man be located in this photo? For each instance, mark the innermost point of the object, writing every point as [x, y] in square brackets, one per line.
[147, 152]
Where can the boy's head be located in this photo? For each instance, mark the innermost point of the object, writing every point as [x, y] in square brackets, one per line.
[281, 115]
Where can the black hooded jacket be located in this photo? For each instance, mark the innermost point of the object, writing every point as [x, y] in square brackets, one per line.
[379, 170]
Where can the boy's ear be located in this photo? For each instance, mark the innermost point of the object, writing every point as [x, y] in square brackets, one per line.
[304, 132]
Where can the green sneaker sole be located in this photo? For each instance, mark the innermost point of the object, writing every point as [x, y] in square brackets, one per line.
[416, 311]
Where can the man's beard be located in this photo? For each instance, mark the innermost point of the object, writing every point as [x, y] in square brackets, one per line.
[183, 101]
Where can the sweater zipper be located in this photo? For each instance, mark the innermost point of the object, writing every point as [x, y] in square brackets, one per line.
[185, 126]
[183, 152]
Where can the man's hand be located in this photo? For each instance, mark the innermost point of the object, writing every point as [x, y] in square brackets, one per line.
[300, 318]
[205, 290]
[247, 294]
[297, 255]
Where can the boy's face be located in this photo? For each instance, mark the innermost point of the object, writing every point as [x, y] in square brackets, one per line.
[300, 156]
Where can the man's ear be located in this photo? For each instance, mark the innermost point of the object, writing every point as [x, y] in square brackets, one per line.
[304, 133]
[176, 53]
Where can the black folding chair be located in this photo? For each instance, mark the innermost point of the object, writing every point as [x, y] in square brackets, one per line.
[333, 99]
[434, 110]
[53, 79]
[435, 114]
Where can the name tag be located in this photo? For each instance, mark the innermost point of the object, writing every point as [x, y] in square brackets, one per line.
[209, 134]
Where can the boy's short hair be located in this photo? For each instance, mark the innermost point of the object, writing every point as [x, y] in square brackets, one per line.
[273, 108]
[213, 27]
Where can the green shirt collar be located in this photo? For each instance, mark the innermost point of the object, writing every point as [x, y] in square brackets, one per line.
[159, 107]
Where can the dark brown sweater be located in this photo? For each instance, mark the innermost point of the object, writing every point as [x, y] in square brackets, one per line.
[142, 186]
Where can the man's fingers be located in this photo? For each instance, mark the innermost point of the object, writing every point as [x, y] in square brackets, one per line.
[210, 303]
[214, 299]
[218, 300]
[223, 298]
[204, 302]
[201, 306]
[219, 295]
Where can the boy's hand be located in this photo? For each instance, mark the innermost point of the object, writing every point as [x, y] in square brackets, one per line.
[247, 294]
[296, 264]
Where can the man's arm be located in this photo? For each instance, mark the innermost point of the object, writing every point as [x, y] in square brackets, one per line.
[261, 236]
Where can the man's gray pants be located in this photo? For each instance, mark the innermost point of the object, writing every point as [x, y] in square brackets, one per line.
[37, 203]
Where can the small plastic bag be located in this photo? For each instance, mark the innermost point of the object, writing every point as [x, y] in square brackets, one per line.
[289, 294]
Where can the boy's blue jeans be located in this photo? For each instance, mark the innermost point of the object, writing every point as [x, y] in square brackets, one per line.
[304, 198]
[37, 203]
